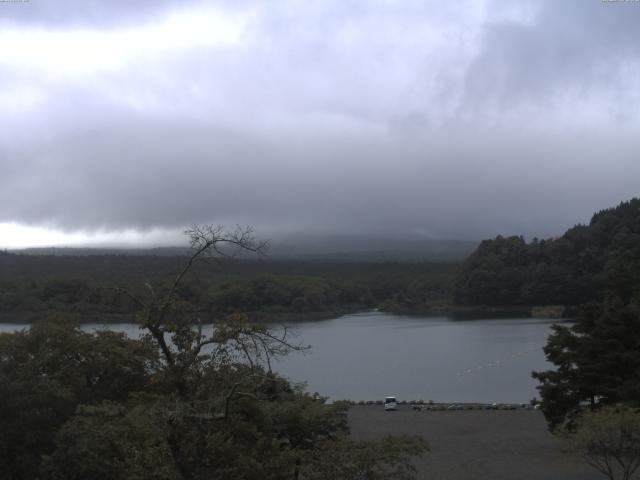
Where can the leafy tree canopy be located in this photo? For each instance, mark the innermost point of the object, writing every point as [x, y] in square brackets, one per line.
[609, 440]
[176, 403]
[597, 362]
[588, 263]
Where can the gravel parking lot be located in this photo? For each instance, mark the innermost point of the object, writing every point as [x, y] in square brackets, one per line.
[476, 444]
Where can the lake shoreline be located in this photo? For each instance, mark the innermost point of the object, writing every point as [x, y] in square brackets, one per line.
[471, 312]
[26, 318]
[477, 312]
[380, 354]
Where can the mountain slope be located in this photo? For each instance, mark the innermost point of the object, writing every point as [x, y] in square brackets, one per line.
[586, 264]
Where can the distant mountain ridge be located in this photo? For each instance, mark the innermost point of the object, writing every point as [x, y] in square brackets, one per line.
[89, 251]
[308, 247]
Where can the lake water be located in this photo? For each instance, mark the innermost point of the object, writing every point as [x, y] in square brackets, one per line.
[368, 356]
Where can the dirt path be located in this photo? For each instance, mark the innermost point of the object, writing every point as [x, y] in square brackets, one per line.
[477, 444]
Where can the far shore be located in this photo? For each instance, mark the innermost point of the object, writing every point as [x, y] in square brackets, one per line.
[113, 318]
[454, 311]
[473, 312]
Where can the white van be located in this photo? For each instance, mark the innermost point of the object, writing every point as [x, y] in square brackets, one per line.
[390, 403]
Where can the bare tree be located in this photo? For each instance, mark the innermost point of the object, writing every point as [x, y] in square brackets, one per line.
[179, 335]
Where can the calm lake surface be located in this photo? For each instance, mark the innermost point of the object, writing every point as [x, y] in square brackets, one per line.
[368, 356]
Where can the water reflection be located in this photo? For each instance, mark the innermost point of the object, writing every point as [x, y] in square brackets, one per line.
[372, 355]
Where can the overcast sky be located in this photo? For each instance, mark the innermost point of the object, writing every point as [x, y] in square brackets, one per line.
[127, 121]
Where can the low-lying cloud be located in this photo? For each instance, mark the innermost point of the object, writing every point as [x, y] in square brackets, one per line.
[456, 120]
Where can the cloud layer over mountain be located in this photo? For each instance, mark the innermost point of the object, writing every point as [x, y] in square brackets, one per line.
[448, 119]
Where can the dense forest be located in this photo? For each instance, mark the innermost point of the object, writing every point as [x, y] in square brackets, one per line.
[86, 285]
[175, 404]
[79, 405]
[587, 263]
[597, 268]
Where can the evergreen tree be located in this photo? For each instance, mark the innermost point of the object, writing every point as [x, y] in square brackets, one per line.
[597, 362]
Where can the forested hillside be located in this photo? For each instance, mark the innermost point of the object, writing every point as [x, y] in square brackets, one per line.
[31, 286]
[588, 263]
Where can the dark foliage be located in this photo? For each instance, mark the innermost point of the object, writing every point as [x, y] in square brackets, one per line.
[588, 263]
[597, 362]
[46, 372]
[33, 285]
[175, 404]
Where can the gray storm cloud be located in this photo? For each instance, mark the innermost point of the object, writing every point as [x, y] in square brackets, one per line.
[461, 121]
[74, 13]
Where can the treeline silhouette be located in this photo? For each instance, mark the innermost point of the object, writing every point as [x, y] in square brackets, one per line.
[31, 285]
[586, 264]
